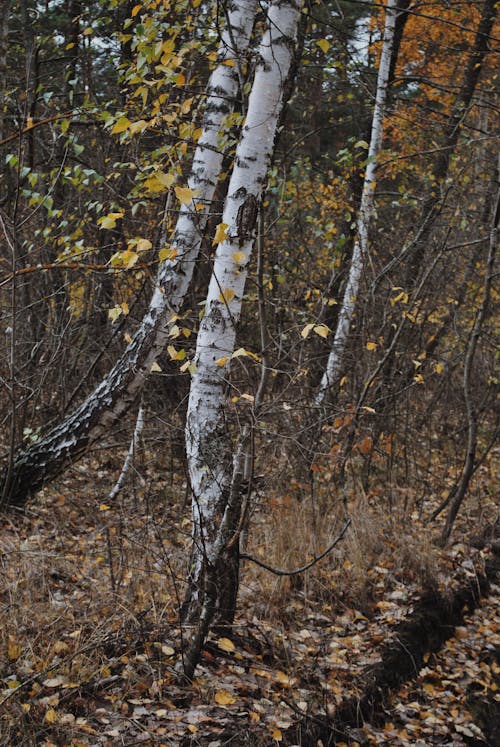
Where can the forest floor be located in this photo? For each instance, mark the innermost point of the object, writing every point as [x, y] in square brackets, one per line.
[390, 640]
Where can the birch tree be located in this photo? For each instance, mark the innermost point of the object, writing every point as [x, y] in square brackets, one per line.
[360, 249]
[112, 398]
[213, 471]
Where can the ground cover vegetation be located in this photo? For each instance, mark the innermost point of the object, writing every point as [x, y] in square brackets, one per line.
[249, 348]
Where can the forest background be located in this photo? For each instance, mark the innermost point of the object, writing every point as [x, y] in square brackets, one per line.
[248, 358]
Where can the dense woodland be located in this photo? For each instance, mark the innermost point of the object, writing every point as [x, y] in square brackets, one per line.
[249, 372]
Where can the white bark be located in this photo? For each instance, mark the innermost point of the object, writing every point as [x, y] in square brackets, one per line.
[360, 251]
[115, 394]
[207, 441]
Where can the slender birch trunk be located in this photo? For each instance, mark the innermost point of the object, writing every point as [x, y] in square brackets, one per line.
[360, 250]
[69, 440]
[213, 578]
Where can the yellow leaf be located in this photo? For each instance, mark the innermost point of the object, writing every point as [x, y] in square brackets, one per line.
[322, 330]
[109, 220]
[127, 337]
[220, 234]
[418, 379]
[143, 245]
[225, 644]
[439, 368]
[135, 10]
[138, 126]
[166, 179]
[51, 716]
[127, 258]
[176, 355]
[166, 253]
[254, 717]
[14, 649]
[323, 44]
[186, 106]
[221, 361]
[305, 332]
[88, 31]
[400, 298]
[276, 733]
[158, 182]
[240, 258]
[226, 295]
[155, 367]
[114, 313]
[104, 507]
[167, 650]
[184, 195]
[121, 125]
[224, 697]
[371, 345]
[124, 307]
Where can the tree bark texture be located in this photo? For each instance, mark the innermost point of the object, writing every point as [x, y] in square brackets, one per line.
[360, 249]
[214, 472]
[112, 398]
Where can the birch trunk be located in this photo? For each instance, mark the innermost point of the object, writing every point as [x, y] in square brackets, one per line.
[213, 471]
[69, 440]
[360, 250]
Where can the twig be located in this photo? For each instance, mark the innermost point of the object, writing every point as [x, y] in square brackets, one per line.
[296, 571]
[139, 425]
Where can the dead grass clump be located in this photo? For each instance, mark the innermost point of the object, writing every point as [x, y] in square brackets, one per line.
[381, 550]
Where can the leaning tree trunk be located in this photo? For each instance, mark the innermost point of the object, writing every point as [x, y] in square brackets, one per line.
[360, 250]
[69, 440]
[214, 473]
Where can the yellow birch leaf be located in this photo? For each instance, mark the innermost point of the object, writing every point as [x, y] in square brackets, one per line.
[124, 307]
[221, 361]
[305, 332]
[239, 257]
[322, 330]
[276, 733]
[166, 179]
[155, 367]
[176, 355]
[226, 295]
[184, 195]
[224, 697]
[109, 220]
[129, 258]
[14, 649]
[51, 716]
[220, 234]
[138, 126]
[143, 245]
[323, 44]
[127, 337]
[166, 253]
[104, 507]
[121, 125]
[225, 644]
[439, 368]
[135, 10]
[114, 313]
[371, 345]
